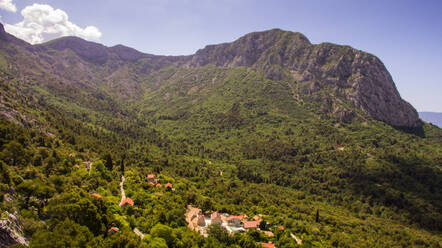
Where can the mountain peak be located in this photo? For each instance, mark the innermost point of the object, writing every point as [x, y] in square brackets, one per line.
[3, 34]
[276, 34]
[88, 50]
[249, 49]
[127, 53]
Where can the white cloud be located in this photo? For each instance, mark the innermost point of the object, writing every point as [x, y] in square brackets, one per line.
[42, 22]
[8, 5]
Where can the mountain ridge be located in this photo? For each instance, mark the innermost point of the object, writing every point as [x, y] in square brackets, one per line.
[344, 73]
[432, 117]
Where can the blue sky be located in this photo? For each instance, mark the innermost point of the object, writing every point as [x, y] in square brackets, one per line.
[405, 34]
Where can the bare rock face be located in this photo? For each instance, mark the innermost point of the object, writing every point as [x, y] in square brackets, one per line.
[359, 78]
[350, 75]
[11, 232]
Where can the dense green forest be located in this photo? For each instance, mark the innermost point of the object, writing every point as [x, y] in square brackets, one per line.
[372, 185]
[232, 140]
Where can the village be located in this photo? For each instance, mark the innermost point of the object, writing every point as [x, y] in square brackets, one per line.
[126, 201]
[196, 219]
[200, 222]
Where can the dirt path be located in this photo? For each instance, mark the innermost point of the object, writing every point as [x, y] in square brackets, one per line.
[298, 241]
[139, 233]
[123, 195]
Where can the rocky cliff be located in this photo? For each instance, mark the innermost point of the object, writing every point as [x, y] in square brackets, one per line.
[354, 75]
[11, 231]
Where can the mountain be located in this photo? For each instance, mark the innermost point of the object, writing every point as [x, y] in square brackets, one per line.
[311, 137]
[346, 82]
[432, 117]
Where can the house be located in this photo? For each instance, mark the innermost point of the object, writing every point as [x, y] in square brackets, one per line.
[257, 218]
[201, 220]
[88, 164]
[96, 195]
[77, 166]
[234, 220]
[158, 185]
[151, 178]
[126, 201]
[112, 230]
[251, 224]
[268, 245]
[151, 184]
[281, 228]
[168, 186]
[215, 219]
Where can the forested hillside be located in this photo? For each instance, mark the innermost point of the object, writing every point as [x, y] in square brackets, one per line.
[313, 138]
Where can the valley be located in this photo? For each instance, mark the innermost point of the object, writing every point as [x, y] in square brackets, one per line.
[313, 138]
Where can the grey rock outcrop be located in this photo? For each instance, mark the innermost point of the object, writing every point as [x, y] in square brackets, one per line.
[11, 231]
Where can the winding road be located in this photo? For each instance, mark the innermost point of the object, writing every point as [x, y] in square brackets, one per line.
[123, 197]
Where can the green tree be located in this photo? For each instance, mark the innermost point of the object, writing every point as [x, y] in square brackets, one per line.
[4, 173]
[79, 208]
[108, 161]
[158, 243]
[220, 234]
[13, 153]
[164, 232]
[317, 216]
[36, 188]
[65, 234]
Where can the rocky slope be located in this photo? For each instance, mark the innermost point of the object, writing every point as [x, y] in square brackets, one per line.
[356, 76]
[11, 231]
[346, 82]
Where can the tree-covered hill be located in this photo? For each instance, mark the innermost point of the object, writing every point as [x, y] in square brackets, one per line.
[315, 138]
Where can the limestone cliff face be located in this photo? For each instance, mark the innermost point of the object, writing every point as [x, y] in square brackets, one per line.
[357, 77]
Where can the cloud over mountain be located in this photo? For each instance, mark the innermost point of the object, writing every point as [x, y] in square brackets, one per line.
[8, 5]
[42, 22]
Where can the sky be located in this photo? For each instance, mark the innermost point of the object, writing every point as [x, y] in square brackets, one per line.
[405, 34]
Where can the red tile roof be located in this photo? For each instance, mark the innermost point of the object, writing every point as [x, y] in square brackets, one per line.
[96, 195]
[151, 183]
[251, 224]
[268, 245]
[257, 218]
[235, 217]
[281, 228]
[168, 185]
[127, 201]
[159, 185]
[151, 176]
[215, 215]
[115, 229]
